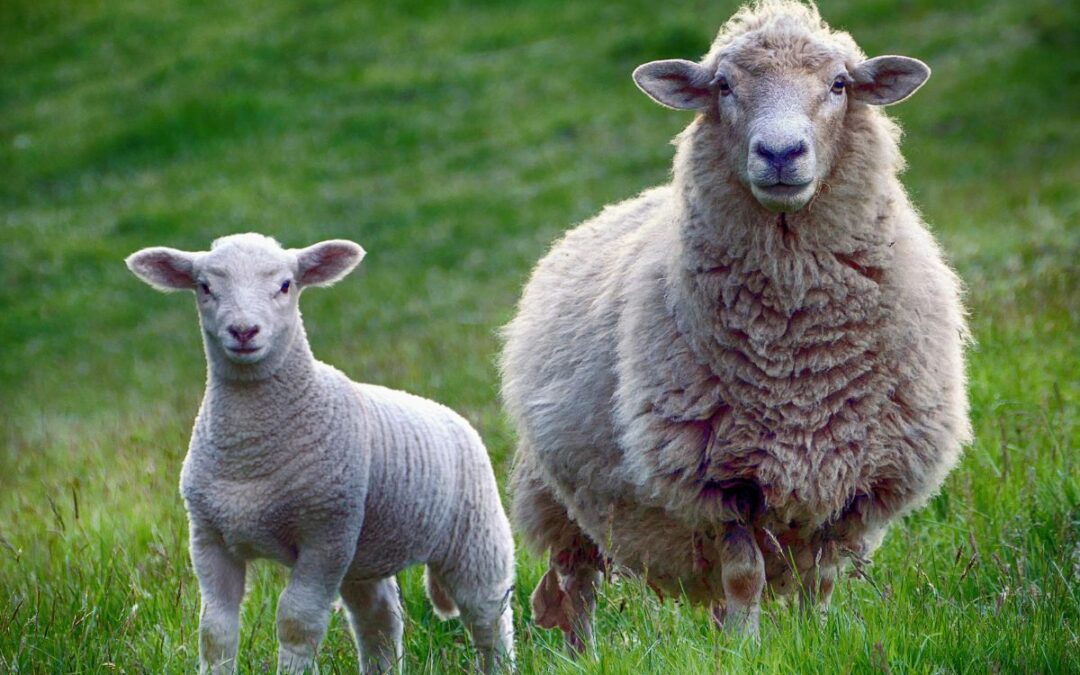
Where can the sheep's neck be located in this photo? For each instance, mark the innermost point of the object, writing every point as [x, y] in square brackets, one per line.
[721, 225]
[746, 280]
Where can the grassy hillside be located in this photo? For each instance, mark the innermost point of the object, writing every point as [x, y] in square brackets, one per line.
[455, 141]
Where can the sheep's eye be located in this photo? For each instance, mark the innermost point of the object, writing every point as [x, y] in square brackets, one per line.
[204, 287]
[838, 86]
[285, 286]
[724, 87]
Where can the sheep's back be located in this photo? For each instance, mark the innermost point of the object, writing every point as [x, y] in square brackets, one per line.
[558, 362]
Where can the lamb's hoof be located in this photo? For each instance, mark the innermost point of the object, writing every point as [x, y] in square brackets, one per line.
[295, 663]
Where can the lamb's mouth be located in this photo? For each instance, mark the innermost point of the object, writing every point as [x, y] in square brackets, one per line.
[783, 197]
[244, 352]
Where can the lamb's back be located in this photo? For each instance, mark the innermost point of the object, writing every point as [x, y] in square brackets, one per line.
[427, 463]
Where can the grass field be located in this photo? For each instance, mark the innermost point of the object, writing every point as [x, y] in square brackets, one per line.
[454, 143]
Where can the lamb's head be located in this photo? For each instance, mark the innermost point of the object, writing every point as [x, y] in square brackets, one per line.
[247, 289]
[779, 87]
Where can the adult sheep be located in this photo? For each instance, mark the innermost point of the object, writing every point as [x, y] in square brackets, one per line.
[743, 376]
[345, 483]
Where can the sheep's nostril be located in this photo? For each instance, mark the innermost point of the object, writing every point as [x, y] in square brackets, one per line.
[764, 152]
[797, 150]
[243, 333]
[781, 157]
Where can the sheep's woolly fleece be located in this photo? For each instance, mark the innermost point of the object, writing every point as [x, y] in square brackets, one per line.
[687, 348]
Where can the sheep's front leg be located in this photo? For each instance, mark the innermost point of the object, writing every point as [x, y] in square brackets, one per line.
[566, 595]
[304, 606]
[221, 587]
[818, 576]
[742, 573]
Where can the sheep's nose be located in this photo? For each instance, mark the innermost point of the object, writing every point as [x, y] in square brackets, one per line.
[780, 157]
[243, 333]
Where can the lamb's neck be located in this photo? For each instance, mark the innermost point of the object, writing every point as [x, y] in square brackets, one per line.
[238, 413]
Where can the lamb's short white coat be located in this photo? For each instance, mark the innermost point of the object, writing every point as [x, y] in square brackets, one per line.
[738, 378]
[345, 483]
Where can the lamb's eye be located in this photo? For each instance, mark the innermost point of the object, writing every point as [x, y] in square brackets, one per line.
[724, 87]
[204, 287]
[838, 86]
[285, 286]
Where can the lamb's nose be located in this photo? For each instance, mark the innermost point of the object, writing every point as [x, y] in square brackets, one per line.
[243, 333]
[780, 157]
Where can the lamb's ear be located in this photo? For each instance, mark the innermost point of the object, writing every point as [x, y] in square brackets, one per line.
[326, 262]
[676, 83]
[884, 80]
[166, 269]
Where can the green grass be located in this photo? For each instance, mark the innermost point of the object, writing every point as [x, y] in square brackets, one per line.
[455, 143]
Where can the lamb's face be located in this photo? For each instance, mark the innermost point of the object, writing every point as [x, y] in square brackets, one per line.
[247, 288]
[779, 98]
[247, 298]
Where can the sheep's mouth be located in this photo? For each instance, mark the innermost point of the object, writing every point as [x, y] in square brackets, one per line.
[783, 197]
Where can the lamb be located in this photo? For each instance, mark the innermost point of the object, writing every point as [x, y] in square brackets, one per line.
[345, 483]
[741, 378]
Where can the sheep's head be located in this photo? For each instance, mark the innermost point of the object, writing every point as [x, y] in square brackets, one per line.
[779, 84]
[247, 289]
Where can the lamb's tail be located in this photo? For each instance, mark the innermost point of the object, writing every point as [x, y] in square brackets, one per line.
[444, 605]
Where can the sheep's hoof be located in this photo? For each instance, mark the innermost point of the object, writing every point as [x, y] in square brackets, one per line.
[550, 604]
[740, 623]
[553, 607]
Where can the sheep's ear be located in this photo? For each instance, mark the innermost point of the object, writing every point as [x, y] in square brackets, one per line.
[884, 80]
[326, 262]
[166, 269]
[676, 83]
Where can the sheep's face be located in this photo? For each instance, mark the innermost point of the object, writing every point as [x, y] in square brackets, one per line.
[784, 124]
[247, 289]
[781, 108]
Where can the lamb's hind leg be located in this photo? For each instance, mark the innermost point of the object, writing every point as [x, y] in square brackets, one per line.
[566, 595]
[475, 577]
[487, 614]
[376, 617]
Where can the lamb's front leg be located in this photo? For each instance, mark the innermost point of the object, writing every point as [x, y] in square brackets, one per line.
[221, 587]
[304, 606]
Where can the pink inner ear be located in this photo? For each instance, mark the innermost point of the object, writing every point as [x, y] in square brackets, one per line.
[326, 263]
[166, 269]
[885, 80]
